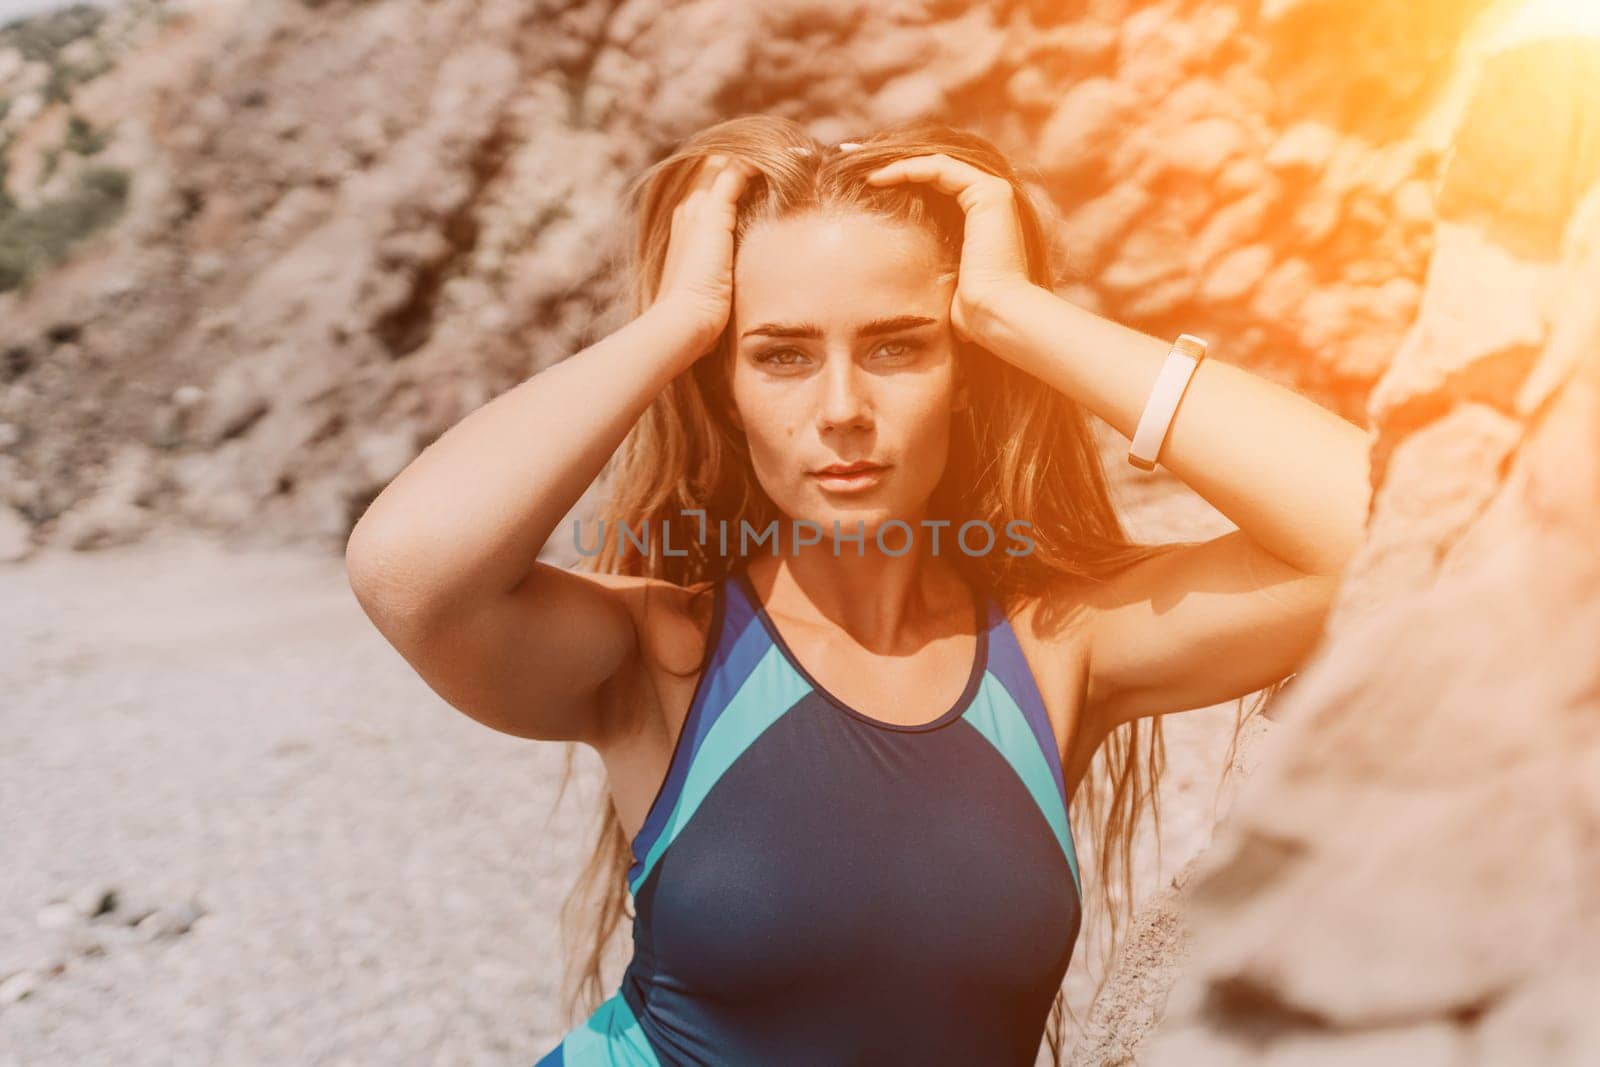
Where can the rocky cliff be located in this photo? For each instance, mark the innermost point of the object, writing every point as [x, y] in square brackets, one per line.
[1410, 878]
[317, 234]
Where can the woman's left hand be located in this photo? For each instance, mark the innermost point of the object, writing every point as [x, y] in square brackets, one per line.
[994, 260]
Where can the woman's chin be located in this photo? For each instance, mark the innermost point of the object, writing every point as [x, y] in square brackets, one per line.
[866, 521]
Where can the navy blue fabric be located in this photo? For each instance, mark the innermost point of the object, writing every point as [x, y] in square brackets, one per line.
[850, 891]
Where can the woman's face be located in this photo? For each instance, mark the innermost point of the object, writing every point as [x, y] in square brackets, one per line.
[843, 355]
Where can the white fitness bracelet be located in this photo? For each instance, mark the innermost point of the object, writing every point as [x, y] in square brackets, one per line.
[1187, 352]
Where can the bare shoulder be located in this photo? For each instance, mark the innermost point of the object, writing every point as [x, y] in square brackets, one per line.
[1053, 629]
[647, 708]
[673, 623]
[668, 617]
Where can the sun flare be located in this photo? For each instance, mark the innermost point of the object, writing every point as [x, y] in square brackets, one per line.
[1548, 18]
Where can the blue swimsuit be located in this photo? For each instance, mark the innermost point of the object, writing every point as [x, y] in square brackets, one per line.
[816, 886]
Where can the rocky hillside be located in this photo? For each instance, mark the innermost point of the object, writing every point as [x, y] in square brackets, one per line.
[1410, 876]
[255, 256]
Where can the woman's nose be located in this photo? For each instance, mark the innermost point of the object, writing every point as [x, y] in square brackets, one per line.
[844, 401]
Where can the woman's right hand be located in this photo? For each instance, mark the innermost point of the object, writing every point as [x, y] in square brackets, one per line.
[697, 276]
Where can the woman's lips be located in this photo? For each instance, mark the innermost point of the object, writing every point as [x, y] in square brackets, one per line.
[851, 479]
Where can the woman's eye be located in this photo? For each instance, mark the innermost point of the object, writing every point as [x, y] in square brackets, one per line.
[789, 357]
[900, 349]
[782, 357]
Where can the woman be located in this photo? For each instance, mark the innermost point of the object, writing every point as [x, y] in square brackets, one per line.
[839, 745]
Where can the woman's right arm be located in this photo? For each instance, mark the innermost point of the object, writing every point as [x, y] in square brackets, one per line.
[444, 561]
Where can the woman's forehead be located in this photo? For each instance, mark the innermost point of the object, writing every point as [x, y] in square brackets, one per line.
[837, 233]
[833, 267]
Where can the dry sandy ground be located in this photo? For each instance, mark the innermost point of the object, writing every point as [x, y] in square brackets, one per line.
[375, 877]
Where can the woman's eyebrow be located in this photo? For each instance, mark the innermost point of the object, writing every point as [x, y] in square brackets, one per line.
[872, 328]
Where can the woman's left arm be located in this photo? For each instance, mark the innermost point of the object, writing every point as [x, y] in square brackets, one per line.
[1204, 623]
[1214, 621]
[1291, 474]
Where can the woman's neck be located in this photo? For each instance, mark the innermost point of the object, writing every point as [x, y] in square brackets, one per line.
[885, 603]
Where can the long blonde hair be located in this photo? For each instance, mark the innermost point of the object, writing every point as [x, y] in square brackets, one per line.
[1019, 449]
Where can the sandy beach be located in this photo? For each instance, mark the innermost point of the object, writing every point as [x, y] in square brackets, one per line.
[374, 874]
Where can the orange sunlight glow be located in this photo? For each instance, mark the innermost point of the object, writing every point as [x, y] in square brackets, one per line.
[1548, 18]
